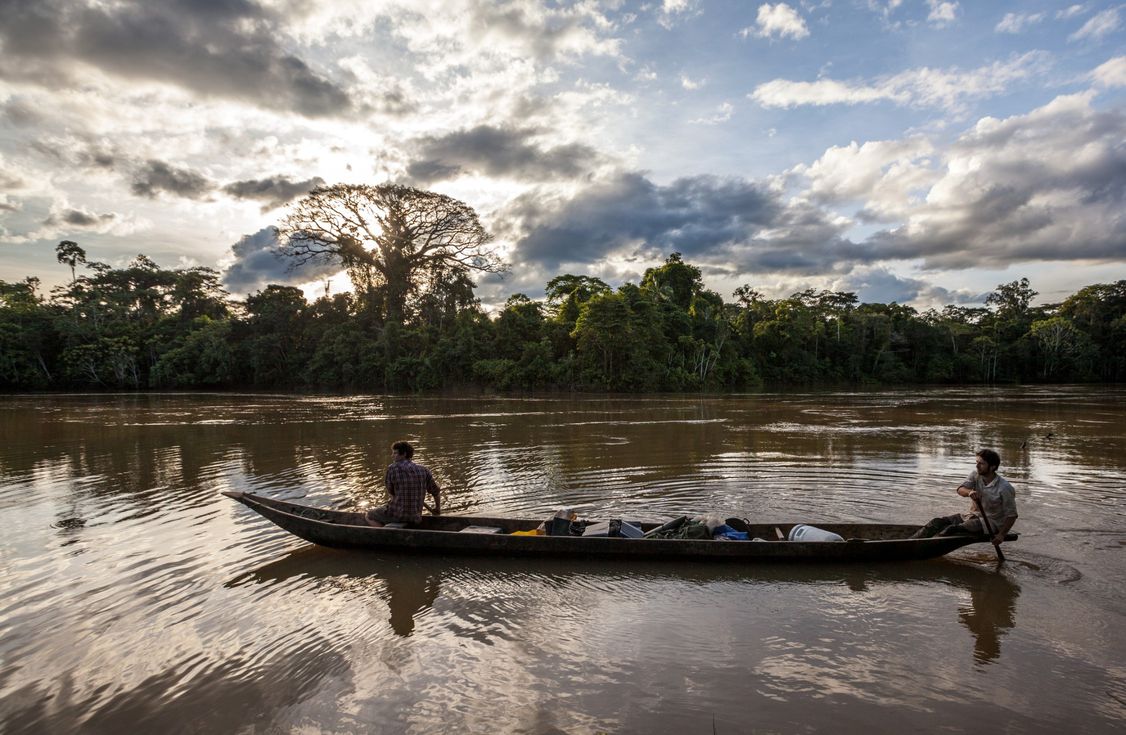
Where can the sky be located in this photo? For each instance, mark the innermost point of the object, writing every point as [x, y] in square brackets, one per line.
[917, 151]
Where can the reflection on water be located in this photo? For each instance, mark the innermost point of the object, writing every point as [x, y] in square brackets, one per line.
[990, 614]
[407, 585]
[134, 596]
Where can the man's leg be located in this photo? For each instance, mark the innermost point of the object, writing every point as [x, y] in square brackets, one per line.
[971, 526]
[377, 517]
[936, 526]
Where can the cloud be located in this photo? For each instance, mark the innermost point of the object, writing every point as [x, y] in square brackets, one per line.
[64, 219]
[1112, 73]
[722, 114]
[777, 21]
[925, 87]
[885, 9]
[1098, 26]
[1049, 185]
[19, 112]
[274, 191]
[691, 84]
[256, 262]
[155, 177]
[727, 220]
[447, 34]
[942, 13]
[1072, 10]
[888, 177]
[229, 49]
[673, 11]
[878, 285]
[1018, 22]
[497, 151]
[9, 177]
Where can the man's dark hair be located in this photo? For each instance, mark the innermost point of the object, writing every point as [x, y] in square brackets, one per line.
[991, 458]
[403, 448]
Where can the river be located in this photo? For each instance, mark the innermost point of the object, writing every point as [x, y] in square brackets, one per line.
[135, 597]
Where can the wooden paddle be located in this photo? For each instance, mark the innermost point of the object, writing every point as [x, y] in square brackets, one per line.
[989, 530]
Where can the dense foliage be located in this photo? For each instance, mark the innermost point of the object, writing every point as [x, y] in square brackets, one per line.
[142, 326]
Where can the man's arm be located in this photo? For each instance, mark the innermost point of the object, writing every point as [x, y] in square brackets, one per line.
[999, 537]
[966, 489]
[1009, 508]
[436, 491]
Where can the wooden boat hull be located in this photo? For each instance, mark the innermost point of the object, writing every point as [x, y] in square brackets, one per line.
[868, 542]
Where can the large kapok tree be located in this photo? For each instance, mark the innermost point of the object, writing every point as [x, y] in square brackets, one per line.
[395, 242]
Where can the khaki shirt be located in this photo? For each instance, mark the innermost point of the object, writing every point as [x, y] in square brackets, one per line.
[998, 498]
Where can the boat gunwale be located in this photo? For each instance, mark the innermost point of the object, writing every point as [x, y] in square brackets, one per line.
[354, 535]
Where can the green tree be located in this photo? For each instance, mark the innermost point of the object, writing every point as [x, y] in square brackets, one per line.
[69, 253]
[272, 338]
[26, 337]
[674, 281]
[567, 293]
[393, 240]
[1060, 344]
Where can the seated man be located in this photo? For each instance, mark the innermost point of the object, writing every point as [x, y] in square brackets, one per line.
[407, 483]
[995, 495]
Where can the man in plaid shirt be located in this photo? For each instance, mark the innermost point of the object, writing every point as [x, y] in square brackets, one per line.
[407, 483]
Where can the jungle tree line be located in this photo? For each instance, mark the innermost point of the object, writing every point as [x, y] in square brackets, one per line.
[413, 322]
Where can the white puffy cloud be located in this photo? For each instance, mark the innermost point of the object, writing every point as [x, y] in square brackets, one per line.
[925, 87]
[1072, 10]
[1018, 22]
[672, 11]
[722, 114]
[1098, 26]
[1047, 185]
[691, 84]
[942, 12]
[777, 21]
[1112, 73]
[886, 176]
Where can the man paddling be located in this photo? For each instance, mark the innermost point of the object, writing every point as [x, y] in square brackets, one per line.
[407, 484]
[990, 493]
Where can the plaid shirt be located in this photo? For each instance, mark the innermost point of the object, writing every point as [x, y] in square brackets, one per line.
[408, 484]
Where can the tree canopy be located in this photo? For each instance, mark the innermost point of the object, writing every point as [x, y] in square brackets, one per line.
[143, 326]
[399, 245]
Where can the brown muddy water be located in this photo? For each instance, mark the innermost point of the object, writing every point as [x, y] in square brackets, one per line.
[136, 598]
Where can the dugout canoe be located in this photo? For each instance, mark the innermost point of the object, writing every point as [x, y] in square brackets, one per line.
[867, 542]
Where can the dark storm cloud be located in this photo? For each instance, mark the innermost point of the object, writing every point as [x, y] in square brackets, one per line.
[155, 177]
[274, 191]
[258, 263]
[496, 151]
[100, 159]
[79, 218]
[224, 48]
[698, 216]
[878, 285]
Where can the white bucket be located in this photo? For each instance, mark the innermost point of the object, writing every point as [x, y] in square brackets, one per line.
[802, 532]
